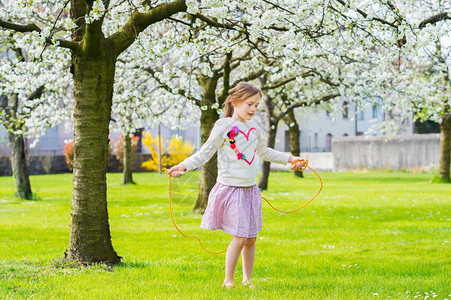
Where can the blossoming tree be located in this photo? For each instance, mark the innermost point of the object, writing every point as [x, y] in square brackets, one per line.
[34, 98]
[97, 32]
[410, 73]
[94, 49]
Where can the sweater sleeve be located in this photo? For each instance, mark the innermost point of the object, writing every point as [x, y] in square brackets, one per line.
[269, 154]
[208, 149]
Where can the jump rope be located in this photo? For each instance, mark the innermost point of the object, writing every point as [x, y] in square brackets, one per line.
[305, 166]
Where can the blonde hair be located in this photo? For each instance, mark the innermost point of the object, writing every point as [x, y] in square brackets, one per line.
[239, 93]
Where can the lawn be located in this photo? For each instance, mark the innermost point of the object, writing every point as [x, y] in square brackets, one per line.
[368, 235]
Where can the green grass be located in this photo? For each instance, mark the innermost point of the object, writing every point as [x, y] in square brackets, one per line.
[369, 233]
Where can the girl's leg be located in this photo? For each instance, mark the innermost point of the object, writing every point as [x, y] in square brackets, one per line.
[233, 253]
[248, 257]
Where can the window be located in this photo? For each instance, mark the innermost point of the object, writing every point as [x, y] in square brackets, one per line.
[139, 134]
[328, 142]
[345, 110]
[374, 111]
[315, 143]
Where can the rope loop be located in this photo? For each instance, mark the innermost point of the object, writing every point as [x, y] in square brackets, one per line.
[304, 166]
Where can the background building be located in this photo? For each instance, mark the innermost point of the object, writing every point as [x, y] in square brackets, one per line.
[317, 126]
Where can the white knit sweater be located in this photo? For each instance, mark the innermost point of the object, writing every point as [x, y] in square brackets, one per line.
[249, 141]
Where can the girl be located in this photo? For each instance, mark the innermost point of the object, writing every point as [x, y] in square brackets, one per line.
[234, 204]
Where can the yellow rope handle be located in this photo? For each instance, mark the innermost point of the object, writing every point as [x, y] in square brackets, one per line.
[305, 165]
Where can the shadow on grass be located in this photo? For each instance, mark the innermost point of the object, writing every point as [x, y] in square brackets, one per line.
[134, 265]
[34, 197]
[437, 179]
[18, 268]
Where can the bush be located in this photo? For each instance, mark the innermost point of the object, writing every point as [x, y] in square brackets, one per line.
[69, 154]
[173, 151]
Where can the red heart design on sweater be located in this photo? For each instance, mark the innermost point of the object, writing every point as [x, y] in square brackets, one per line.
[247, 138]
[249, 132]
[249, 163]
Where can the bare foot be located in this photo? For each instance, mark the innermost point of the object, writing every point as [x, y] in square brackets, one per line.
[228, 285]
[249, 285]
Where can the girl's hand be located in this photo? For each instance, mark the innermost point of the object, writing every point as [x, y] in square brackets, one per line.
[177, 171]
[297, 162]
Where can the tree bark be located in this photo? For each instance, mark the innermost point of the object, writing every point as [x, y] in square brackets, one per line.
[209, 116]
[93, 67]
[445, 147]
[264, 176]
[271, 140]
[445, 124]
[209, 171]
[295, 135]
[19, 166]
[128, 168]
[90, 239]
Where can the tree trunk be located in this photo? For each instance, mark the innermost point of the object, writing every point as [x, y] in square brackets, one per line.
[445, 147]
[93, 67]
[17, 147]
[19, 165]
[209, 171]
[294, 138]
[264, 176]
[159, 149]
[90, 239]
[272, 131]
[209, 116]
[445, 124]
[128, 172]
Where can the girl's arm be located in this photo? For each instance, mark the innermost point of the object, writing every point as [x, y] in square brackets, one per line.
[208, 149]
[269, 154]
[177, 171]
[275, 156]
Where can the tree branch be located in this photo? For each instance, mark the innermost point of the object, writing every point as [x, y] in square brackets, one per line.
[19, 27]
[180, 21]
[365, 15]
[283, 82]
[37, 93]
[250, 77]
[238, 61]
[305, 103]
[167, 88]
[234, 26]
[324, 79]
[93, 34]
[122, 39]
[225, 79]
[33, 27]
[435, 19]
[213, 23]
[64, 44]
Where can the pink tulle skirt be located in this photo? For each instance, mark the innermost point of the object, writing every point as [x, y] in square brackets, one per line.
[234, 210]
